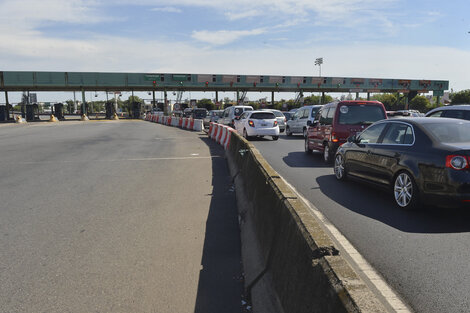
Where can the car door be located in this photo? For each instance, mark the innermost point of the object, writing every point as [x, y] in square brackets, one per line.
[322, 129]
[398, 138]
[240, 122]
[358, 156]
[302, 122]
[294, 122]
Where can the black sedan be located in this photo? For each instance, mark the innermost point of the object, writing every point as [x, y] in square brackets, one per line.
[420, 160]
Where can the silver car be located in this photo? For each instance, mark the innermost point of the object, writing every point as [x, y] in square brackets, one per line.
[212, 116]
[281, 119]
[299, 122]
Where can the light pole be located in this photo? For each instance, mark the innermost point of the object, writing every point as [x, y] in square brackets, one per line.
[319, 62]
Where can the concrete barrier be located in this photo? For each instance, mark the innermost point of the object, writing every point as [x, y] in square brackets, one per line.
[198, 125]
[291, 264]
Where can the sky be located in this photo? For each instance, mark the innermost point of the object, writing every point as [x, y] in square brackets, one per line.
[407, 39]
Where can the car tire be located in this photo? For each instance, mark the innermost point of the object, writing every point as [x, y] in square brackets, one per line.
[405, 191]
[304, 132]
[245, 134]
[275, 137]
[288, 132]
[340, 168]
[307, 149]
[327, 155]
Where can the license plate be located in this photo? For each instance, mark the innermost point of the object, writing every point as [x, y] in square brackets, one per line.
[264, 124]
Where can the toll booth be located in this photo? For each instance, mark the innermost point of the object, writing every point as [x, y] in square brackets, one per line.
[3, 113]
[110, 109]
[59, 110]
[31, 110]
[136, 109]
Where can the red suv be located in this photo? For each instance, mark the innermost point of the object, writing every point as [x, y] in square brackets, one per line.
[336, 121]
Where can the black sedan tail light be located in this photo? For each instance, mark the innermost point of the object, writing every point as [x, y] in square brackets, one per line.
[457, 162]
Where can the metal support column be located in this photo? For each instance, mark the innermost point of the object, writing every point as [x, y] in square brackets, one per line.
[357, 95]
[154, 104]
[7, 108]
[272, 98]
[83, 103]
[216, 96]
[165, 106]
[406, 103]
[238, 96]
[368, 96]
[74, 103]
[438, 101]
[322, 98]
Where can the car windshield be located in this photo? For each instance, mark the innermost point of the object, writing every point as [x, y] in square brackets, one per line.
[449, 132]
[200, 113]
[263, 116]
[360, 114]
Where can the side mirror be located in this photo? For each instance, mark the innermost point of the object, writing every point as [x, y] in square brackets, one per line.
[315, 122]
[237, 118]
[309, 123]
[352, 138]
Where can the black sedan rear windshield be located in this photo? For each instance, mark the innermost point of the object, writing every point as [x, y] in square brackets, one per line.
[360, 114]
[450, 132]
[263, 116]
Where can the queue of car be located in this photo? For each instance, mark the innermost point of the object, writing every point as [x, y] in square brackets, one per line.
[420, 160]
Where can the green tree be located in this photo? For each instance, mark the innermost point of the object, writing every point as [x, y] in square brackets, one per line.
[460, 97]
[69, 106]
[206, 103]
[390, 101]
[420, 103]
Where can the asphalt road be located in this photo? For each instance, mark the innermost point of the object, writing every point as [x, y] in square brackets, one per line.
[117, 216]
[424, 255]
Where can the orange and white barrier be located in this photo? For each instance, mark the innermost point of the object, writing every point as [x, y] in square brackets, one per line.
[182, 122]
[221, 134]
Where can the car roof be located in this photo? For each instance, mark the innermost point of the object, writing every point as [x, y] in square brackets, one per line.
[259, 111]
[451, 107]
[240, 106]
[269, 110]
[424, 120]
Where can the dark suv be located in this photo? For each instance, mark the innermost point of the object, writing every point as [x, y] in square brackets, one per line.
[336, 121]
[199, 113]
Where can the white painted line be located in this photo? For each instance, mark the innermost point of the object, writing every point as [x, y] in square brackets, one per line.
[366, 271]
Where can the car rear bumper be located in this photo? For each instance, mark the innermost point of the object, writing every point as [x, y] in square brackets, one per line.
[263, 131]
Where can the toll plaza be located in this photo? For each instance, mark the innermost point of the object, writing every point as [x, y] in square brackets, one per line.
[241, 84]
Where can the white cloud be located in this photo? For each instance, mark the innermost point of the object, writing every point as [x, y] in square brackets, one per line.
[167, 9]
[325, 11]
[223, 37]
[29, 13]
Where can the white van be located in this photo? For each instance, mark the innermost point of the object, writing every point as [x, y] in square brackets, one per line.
[231, 112]
[298, 123]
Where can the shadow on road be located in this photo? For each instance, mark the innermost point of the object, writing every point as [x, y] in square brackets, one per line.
[220, 288]
[378, 204]
[302, 159]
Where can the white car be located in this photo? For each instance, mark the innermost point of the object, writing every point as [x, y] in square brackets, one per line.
[257, 123]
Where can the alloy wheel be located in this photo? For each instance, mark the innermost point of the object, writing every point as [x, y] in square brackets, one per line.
[339, 167]
[403, 190]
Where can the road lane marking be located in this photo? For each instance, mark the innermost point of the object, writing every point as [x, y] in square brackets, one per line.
[389, 297]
